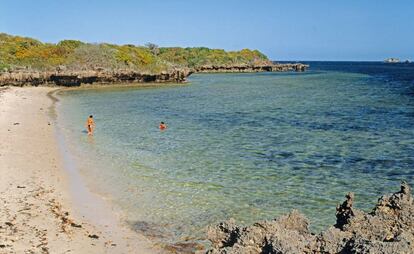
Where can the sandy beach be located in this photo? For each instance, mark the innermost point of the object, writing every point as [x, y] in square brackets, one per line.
[41, 210]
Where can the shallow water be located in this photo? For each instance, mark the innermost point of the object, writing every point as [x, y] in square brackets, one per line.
[247, 146]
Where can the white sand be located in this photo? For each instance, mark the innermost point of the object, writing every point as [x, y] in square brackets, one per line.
[39, 211]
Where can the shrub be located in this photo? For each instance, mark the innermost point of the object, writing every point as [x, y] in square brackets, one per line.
[16, 51]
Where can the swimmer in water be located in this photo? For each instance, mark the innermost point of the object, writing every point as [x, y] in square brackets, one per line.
[90, 125]
[163, 126]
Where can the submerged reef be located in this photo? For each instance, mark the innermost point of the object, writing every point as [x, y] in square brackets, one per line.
[388, 228]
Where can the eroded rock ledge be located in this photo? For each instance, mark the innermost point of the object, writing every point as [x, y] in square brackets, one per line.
[76, 78]
[252, 68]
[388, 228]
[99, 76]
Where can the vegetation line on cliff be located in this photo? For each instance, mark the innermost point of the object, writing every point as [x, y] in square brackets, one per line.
[22, 52]
[27, 61]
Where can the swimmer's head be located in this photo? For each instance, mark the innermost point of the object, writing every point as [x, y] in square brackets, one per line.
[162, 122]
[91, 116]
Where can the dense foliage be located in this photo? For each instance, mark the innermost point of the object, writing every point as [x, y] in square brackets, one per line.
[21, 52]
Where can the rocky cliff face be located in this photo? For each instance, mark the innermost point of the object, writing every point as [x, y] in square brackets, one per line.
[62, 77]
[388, 229]
[252, 68]
[76, 78]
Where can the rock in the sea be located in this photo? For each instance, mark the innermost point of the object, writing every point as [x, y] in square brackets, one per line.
[388, 229]
[252, 68]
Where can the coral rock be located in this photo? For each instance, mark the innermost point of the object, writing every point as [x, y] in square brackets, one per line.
[388, 229]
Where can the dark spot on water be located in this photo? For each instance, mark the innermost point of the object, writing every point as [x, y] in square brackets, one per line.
[408, 114]
[261, 154]
[286, 155]
[395, 173]
[334, 114]
[149, 229]
[357, 128]
[321, 126]
[383, 163]
[332, 160]
[184, 247]
[377, 166]
[259, 201]
[354, 160]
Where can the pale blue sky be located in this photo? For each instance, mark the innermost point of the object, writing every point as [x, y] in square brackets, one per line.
[283, 30]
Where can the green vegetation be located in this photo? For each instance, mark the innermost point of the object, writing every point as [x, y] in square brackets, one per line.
[193, 57]
[21, 52]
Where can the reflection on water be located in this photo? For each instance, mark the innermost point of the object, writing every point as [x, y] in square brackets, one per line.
[248, 146]
[91, 140]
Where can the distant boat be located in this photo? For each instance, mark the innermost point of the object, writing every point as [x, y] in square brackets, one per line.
[392, 60]
[407, 61]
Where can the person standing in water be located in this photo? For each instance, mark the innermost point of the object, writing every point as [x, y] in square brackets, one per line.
[163, 126]
[90, 125]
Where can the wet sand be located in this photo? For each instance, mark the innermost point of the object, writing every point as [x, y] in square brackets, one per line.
[44, 205]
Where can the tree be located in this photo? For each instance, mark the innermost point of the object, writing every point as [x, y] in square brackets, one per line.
[153, 48]
[71, 44]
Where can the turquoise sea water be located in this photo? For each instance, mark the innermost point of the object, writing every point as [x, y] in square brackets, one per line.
[247, 146]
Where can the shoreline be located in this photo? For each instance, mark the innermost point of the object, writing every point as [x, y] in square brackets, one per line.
[47, 206]
[109, 86]
[80, 178]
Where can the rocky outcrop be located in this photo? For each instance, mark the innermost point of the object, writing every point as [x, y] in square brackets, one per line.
[76, 78]
[388, 229]
[290, 67]
[252, 68]
[63, 77]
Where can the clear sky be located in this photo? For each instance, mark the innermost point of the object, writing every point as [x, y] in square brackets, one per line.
[283, 30]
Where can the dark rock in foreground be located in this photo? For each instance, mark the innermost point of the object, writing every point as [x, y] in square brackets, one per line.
[389, 228]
